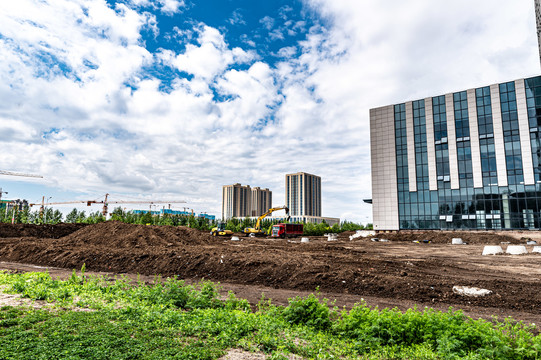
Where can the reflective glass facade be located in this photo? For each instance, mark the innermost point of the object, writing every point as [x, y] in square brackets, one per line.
[506, 198]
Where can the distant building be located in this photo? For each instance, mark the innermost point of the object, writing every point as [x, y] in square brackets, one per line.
[303, 194]
[236, 201]
[261, 201]
[240, 201]
[8, 205]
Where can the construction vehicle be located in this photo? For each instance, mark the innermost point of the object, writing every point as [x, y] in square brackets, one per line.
[287, 230]
[220, 230]
[256, 230]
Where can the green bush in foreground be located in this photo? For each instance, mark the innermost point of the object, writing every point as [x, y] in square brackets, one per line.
[93, 317]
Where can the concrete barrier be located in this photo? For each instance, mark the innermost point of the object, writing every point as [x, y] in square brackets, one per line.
[516, 250]
[457, 241]
[332, 237]
[235, 238]
[362, 233]
[305, 240]
[536, 249]
[470, 291]
[492, 250]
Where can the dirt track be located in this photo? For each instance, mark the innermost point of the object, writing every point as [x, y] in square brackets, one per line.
[397, 273]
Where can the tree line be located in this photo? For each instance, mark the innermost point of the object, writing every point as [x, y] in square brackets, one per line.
[51, 216]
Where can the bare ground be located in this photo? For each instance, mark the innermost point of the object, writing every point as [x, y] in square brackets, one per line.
[398, 273]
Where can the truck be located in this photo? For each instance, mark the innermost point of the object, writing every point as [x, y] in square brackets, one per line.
[287, 230]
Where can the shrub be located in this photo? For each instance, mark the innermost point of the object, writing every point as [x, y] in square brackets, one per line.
[308, 311]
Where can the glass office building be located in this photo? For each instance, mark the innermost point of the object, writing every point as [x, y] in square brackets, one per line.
[464, 160]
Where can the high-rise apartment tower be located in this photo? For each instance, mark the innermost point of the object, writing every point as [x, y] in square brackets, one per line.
[261, 201]
[236, 201]
[303, 194]
[242, 201]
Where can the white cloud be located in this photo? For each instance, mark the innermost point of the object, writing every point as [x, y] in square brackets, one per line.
[171, 6]
[267, 22]
[210, 57]
[168, 7]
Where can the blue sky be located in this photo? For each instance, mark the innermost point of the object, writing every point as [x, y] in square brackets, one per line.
[172, 99]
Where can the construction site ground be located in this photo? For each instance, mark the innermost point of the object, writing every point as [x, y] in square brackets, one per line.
[396, 273]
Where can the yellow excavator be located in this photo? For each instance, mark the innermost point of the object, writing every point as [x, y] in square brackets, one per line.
[256, 230]
[220, 230]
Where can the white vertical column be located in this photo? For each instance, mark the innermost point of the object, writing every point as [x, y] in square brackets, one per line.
[524, 129]
[430, 147]
[412, 169]
[499, 145]
[451, 141]
[384, 180]
[474, 140]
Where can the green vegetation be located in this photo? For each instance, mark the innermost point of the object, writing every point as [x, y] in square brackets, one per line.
[50, 216]
[93, 317]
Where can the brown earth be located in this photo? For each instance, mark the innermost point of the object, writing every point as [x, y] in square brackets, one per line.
[395, 273]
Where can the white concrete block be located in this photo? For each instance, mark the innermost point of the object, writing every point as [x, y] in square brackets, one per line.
[492, 250]
[516, 250]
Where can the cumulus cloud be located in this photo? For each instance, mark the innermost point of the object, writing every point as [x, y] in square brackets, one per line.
[210, 57]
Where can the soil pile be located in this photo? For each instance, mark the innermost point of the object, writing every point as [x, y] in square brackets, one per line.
[445, 237]
[397, 269]
[114, 234]
[39, 231]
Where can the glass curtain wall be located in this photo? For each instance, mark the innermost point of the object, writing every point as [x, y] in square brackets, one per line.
[515, 206]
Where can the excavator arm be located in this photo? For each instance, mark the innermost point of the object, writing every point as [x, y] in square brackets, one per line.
[257, 228]
[270, 211]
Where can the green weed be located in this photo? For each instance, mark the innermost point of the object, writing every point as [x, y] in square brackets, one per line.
[170, 319]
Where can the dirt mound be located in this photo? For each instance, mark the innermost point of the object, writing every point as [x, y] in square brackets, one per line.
[445, 237]
[40, 231]
[114, 234]
[398, 269]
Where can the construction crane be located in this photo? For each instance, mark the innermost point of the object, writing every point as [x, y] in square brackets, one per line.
[10, 173]
[106, 203]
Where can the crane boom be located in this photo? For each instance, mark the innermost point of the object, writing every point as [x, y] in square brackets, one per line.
[106, 203]
[144, 202]
[10, 173]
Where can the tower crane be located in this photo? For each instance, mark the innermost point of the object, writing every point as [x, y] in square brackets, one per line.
[10, 173]
[106, 203]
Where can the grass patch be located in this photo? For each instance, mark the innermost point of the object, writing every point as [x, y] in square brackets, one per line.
[172, 320]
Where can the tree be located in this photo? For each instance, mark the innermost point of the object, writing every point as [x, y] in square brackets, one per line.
[57, 217]
[72, 216]
[146, 218]
[25, 214]
[118, 214]
[81, 217]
